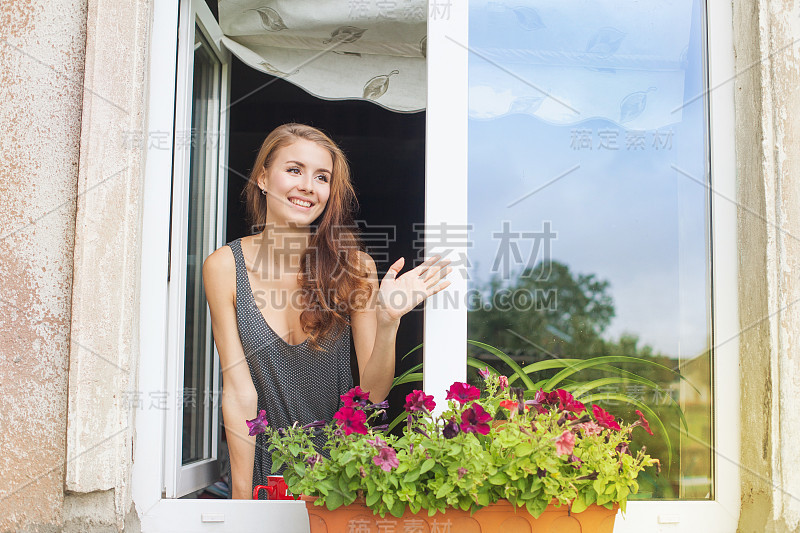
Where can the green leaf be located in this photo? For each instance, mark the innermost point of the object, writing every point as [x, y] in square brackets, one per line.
[579, 505]
[397, 380]
[334, 500]
[400, 418]
[412, 350]
[498, 479]
[427, 465]
[506, 359]
[553, 382]
[414, 377]
[443, 490]
[480, 365]
[388, 498]
[411, 476]
[398, 508]
[372, 498]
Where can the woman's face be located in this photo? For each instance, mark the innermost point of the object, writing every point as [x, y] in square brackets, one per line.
[298, 183]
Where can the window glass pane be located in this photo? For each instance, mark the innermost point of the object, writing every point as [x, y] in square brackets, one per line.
[589, 210]
[197, 397]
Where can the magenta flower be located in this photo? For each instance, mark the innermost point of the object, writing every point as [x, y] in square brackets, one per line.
[355, 396]
[386, 459]
[419, 401]
[503, 382]
[351, 420]
[258, 424]
[474, 420]
[463, 392]
[484, 372]
[604, 418]
[568, 402]
[451, 429]
[565, 443]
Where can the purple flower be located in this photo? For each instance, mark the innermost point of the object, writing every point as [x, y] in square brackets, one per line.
[386, 459]
[451, 429]
[313, 459]
[461, 472]
[351, 420]
[419, 401]
[258, 424]
[474, 420]
[382, 427]
[355, 396]
[419, 430]
[484, 372]
[463, 392]
[383, 405]
[315, 424]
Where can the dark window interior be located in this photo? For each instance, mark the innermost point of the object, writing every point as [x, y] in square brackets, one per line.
[386, 152]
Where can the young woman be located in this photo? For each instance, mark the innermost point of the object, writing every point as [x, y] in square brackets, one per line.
[285, 302]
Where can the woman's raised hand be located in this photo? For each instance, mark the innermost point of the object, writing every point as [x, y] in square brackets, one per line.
[399, 295]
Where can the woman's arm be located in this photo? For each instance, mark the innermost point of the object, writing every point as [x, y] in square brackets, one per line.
[375, 326]
[239, 397]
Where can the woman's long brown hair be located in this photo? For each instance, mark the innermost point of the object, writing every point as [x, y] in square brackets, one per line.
[332, 278]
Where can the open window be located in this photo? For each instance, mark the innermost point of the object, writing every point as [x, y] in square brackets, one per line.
[487, 95]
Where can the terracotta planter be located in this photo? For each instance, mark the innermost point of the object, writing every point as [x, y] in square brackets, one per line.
[500, 517]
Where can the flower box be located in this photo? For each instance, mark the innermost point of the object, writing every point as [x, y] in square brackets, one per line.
[497, 517]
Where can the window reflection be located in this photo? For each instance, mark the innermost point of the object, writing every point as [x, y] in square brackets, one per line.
[589, 209]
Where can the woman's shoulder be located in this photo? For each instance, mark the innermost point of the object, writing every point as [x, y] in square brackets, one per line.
[219, 269]
[365, 262]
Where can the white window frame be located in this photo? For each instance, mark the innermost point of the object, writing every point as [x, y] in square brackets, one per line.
[444, 360]
[446, 177]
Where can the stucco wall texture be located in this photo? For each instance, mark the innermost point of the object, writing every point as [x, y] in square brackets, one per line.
[41, 93]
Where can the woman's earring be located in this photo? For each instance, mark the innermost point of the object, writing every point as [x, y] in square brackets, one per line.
[263, 192]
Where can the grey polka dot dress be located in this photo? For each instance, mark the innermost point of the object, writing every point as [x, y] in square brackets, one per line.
[294, 382]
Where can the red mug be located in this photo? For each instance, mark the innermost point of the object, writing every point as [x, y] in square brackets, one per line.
[276, 489]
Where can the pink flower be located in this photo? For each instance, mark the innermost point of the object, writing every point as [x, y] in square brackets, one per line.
[474, 420]
[604, 419]
[503, 382]
[484, 372]
[590, 428]
[565, 443]
[386, 459]
[463, 392]
[419, 401]
[351, 420]
[378, 443]
[643, 422]
[461, 472]
[355, 396]
[258, 424]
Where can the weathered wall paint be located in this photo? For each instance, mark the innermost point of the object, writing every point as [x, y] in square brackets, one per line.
[766, 33]
[41, 92]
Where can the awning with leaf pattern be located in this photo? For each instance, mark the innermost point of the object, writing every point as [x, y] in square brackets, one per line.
[335, 50]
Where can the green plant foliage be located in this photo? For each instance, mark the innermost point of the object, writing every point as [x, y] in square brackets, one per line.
[476, 452]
